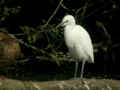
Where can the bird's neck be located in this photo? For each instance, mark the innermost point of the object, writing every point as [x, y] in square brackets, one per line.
[69, 27]
[71, 24]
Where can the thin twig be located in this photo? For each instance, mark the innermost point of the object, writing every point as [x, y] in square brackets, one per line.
[99, 24]
[53, 13]
[98, 9]
[63, 6]
[24, 43]
[84, 9]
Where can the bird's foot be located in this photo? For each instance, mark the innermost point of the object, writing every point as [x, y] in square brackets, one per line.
[82, 80]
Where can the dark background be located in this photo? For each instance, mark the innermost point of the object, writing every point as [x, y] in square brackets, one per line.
[25, 19]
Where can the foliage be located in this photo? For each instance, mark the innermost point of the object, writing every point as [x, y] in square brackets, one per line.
[40, 38]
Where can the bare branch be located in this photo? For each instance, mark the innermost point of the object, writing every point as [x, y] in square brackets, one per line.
[50, 18]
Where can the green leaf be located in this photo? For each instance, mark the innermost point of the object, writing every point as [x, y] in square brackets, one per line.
[2, 18]
[29, 38]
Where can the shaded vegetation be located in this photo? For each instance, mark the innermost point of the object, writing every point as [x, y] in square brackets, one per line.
[33, 23]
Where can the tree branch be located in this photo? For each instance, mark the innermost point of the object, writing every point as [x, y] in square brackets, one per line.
[50, 18]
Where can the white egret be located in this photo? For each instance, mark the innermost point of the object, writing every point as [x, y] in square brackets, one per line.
[78, 42]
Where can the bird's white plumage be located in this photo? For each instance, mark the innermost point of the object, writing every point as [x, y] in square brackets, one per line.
[78, 42]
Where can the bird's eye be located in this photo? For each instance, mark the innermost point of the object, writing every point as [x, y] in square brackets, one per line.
[65, 21]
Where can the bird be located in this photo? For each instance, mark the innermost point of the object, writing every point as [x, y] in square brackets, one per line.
[78, 42]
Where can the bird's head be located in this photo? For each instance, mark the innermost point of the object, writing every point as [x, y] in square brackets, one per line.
[67, 20]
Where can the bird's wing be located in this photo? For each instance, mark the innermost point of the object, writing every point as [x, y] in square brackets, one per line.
[83, 42]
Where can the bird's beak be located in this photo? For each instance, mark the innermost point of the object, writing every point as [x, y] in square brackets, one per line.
[62, 24]
[59, 25]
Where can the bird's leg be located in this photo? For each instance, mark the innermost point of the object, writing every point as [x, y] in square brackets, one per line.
[82, 69]
[76, 69]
